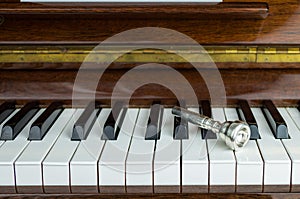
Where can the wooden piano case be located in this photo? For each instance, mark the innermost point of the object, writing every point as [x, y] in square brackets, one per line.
[254, 44]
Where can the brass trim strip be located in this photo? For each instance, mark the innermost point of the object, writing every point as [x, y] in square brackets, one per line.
[58, 54]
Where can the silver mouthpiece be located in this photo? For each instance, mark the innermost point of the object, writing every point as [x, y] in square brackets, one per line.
[235, 134]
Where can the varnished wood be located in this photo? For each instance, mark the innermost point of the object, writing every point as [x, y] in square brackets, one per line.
[112, 189]
[7, 190]
[194, 189]
[139, 189]
[30, 189]
[84, 189]
[295, 188]
[48, 85]
[276, 188]
[9, 1]
[57, 189]
[222, 188]
[249, 189]
[280, 27]
[143, 10]
[236, 23]
[76, 66]
[167, 189]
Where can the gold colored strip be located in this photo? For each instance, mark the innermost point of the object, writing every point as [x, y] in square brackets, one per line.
[293, 50]
[283, 54]
[276, 58]
[52, 54]
[20, 58]
[270, 50]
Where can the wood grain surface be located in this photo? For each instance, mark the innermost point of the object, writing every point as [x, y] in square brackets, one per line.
[281, 26]
[251, 84]
[142, 10]
[276, 23]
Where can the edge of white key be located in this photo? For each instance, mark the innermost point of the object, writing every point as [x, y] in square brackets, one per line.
[50, 135]
[249, 168]
[50, 159]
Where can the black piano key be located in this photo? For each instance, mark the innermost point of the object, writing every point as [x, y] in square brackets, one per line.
[275, 120]
[180, 130]
[85, 122]
[114, 122]
[298, 107]
[206, 110]
[43, 123]
[15, 124]
[6, 109]
[246, 114]
[153, 129]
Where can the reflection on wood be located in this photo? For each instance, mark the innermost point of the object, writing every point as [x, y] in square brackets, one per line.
[47, 85]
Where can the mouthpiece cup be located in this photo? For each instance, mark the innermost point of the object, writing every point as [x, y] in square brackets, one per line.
[235, 134]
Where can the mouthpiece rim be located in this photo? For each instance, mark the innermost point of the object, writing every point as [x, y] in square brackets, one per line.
[237, 134]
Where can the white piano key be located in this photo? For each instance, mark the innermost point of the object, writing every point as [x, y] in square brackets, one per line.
[167, 158]
[112, 160]
[249, 167]
[194, 161]
[84, 164]
[28, 166]
[10, 151]
[277, 164]
[56, 164]
[140, 157]
[292, 145]
[221, 161]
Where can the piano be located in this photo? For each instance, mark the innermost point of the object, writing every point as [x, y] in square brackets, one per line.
[86, 91]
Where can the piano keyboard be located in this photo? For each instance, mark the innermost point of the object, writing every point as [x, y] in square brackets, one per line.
[56, 150]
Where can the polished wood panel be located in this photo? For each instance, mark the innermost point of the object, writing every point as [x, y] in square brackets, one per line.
[49, 85]
[282, 26]
[274, 24]
[143, 10]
